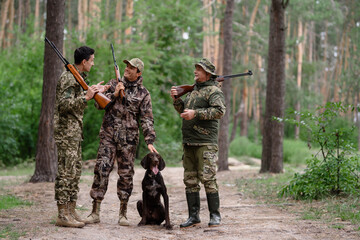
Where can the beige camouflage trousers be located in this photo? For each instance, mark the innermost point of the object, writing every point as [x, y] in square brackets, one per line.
[199, 164]
[69, 171]
[109, 152]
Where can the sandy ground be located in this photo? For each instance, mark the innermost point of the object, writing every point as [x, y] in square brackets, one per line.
[242, 218]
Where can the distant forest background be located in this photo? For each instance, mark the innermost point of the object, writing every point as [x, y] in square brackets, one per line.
[321, 63]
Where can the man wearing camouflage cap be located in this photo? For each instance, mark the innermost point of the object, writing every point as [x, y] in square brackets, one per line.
[119, 137]
[201, 111]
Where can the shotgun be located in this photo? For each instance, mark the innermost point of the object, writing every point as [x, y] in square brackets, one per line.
[117, 72]
[100, 98]
[183, 89]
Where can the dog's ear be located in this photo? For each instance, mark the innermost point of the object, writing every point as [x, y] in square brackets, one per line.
[161, 163]
[144, 162]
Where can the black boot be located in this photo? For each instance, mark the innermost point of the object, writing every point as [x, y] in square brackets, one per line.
[193, 201]
[214, 204]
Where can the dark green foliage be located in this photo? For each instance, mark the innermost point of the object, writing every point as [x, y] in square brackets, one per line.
[333, 170]
[20, 99]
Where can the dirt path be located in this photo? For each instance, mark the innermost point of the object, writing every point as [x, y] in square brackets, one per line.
[241, 218]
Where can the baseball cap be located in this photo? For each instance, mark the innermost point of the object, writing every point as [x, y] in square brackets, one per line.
[136, 62]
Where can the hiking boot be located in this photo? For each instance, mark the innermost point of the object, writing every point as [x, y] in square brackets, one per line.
[65, 219]
[123, 221]
[73, 212]
[94, 216]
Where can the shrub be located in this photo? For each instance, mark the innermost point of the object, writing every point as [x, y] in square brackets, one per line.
[242, 146]
[334, 169]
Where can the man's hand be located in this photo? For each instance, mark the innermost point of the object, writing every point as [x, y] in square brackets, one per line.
[101, 88]
[188, 114]
[118, 88]
[151, 148]
[173, 92]
[91, 92]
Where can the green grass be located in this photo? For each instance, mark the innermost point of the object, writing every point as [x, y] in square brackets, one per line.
[264, 187]
[9, 201]
[295, 151]
[23, 169]
[10, 232]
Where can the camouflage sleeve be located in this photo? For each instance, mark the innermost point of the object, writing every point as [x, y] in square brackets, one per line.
[110, 92]
[216, 110]
[147, 120]
[179, 105]
[69, 101]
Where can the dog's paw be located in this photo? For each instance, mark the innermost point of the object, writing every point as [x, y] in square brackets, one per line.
[168, 226]
[141, 223]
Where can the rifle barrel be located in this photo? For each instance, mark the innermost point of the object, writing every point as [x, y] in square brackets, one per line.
[57, 51]
[237, 75]
[113, 53]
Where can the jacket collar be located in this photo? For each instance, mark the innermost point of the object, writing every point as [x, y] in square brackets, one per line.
[210, 82]
[136, 83]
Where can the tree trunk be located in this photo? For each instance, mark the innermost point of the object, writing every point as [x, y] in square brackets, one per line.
[245, 93]
[324, 88]
[129, 15]
[226, 87]
[95, 12]
[4, 14]
[118, 18]
[46, 154]
[37, 17]
[301, 39]
[10, 34]
[272, 153]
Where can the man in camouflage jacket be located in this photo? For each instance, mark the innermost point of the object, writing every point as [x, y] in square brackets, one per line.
[201, 111]
[71, 100]
[119, 137]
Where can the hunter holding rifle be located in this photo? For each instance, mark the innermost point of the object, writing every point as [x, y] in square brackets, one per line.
[119, 137]
[71, 100]
[201, 111]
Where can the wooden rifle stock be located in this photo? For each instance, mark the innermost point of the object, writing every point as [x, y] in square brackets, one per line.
[100, 98]
[183, 89]
[117, 72]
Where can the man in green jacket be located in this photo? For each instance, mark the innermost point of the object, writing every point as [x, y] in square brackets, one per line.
[201, 111]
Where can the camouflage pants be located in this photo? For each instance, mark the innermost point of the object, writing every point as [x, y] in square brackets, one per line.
[200, 166]
[109, 152]
[69, 171]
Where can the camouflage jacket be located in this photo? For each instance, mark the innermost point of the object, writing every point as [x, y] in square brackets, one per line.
[69, 108]
[209, 104]
[122, 119]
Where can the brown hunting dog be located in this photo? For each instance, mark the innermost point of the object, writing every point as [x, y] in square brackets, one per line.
[150, 208]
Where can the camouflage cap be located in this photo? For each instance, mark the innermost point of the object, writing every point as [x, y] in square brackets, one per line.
[207, 66]
[136, 62]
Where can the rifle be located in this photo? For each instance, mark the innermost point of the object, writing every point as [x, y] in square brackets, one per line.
[117, 72]
[183, 89]
[100, 98]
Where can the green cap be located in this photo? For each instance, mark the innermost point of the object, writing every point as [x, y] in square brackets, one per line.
[136, 62]
[207, 66]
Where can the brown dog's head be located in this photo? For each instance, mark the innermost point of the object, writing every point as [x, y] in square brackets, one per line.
[154, 162]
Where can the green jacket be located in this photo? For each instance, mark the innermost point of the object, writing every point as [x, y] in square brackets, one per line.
[209, 104]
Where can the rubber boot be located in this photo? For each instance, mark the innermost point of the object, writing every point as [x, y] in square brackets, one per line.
[123, 221]
[214, 205]
[72, 211]
[65, 219]
[94, 216]
[193, 201]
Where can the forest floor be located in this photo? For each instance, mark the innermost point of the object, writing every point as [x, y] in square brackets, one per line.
[242, 217]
